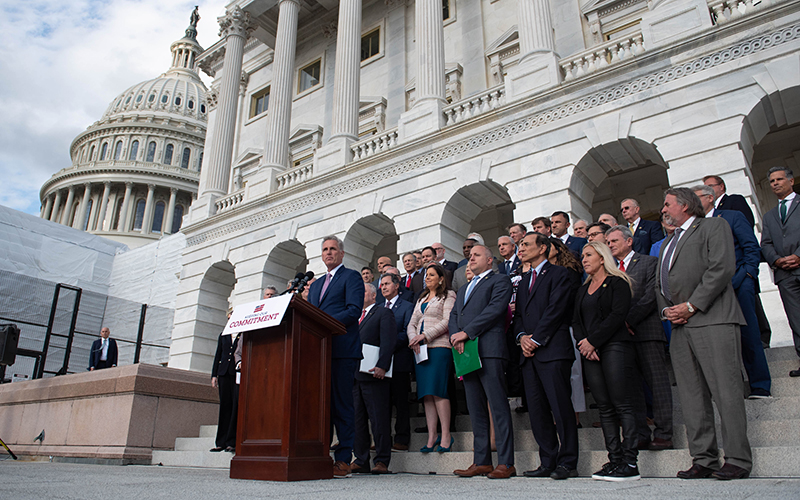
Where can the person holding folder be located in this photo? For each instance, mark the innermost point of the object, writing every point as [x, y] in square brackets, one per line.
[428, 326]
[372, 389]
[479, 315]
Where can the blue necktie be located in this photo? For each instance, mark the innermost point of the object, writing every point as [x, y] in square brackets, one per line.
[471, 285]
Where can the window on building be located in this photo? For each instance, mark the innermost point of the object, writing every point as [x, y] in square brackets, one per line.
[259, 102]
[187, 154]
[139, 98]
[200, 162]
[117, 214]
[134, 151]
[158, 217]
[138, 220]
[177, 218]
[177, 101]
[103, 151]
[151, 98]
[310, 76]
[85, 225]
[445, 10]
[203, 108]
[164, 99]
[370, 44]
[128, 100]
[190, 104]
[73, 213]
[91, 153]
[151, 152]
[118, 150]
[168, 154]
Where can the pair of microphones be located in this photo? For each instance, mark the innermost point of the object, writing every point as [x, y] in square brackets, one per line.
[299, 282]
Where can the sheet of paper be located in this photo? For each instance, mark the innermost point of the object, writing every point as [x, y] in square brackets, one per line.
[370, 361]
[423, 354]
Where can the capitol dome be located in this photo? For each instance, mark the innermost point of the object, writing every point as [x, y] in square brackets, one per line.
[135, 171]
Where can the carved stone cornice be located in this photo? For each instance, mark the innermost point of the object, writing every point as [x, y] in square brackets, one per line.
[235, 22]
[212, 98]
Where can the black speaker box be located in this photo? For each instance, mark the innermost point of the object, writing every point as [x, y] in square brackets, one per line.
[9, 337]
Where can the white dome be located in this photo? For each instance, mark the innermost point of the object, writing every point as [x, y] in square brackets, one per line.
[170, 93]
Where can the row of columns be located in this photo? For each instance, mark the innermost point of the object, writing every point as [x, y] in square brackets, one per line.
[536, 35]
[54, 211]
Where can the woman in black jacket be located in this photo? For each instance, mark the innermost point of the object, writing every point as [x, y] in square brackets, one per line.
[601, 305]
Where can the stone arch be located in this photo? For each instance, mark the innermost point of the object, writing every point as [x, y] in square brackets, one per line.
[771, 137]
[613, 171]
[370, 237]
[285, 260]
[216, 289]
[483, 207]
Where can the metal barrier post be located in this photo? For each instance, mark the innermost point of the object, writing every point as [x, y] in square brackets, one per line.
[140, 334]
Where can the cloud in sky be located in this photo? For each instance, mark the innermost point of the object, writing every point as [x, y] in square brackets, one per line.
[61, 65]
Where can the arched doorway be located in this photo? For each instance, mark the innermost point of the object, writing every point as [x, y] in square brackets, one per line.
[370, 237]
[215, 292]
[612, 172]
[285, 260]
[484, 207]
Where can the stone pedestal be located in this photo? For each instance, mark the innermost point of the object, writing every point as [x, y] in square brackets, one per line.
[335, 154]
[675, 20]
[424, 118]
[536, 72]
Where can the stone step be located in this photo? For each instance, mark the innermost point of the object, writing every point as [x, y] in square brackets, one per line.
[781, 368]
[221, 460]
[781, 353]
[208, 431]
[767, 462]
[194, 444]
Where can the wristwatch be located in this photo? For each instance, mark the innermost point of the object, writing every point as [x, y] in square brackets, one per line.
[689, 307]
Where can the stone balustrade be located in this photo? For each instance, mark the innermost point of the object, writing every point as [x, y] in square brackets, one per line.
[475, 105]
[723, 11]
[603, 56]
[295, 176]
[132, 165]
[374, 144]
[228, 202]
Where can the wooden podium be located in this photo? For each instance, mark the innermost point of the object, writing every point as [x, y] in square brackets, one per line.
[283, 429]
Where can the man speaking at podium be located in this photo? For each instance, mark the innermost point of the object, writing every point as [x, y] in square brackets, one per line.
[340, 293]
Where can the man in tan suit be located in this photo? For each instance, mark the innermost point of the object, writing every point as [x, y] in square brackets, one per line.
[694, 292]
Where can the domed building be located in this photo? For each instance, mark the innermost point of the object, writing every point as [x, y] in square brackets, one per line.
[135, 172]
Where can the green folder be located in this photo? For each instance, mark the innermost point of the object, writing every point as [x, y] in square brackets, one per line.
[469, 361]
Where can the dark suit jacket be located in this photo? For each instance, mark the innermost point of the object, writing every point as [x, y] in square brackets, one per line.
[96, 352]
[403, 356]
[484, 314]
[780, 239]
[647, 233]
[404, 293]
[745, 244]
[613, 304]
[576, 244]
[703, 264]
[417, 282]
[738, 203]
[224, 363]
[546, 313]
[449, 265]
[643, 316]
[378, 328]
[344, 300]
[501, 265]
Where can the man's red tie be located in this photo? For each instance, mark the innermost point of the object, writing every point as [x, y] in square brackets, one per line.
[363, 313]
[408, 281]
[622, 266]
[533, 280]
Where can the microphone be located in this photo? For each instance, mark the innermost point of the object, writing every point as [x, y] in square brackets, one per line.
[308, 277]
[294, 283]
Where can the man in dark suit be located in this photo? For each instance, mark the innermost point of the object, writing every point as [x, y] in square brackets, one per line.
[748, 256]
[517, 232]
[403, 359]
[542, 317]
[340, 293]
[405, 294]
[371, 391]
[694, 292]
[780, 245]
[223, 377]
[448, 265]
[724, 201]
[508, 252]
[648, 336]
[480, 313]
[104, 351]
[414, 279]
[559, 223]
[645, 232]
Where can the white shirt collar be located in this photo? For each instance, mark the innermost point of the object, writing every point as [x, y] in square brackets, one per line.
[717, 202]
[538, 268]
[366, 309]
[789, 197]
[333, 272]
[627, 259]
[442, 261]
[564, 238]
[710, 213]
[391, 302]
[482, 275]
[635, 224]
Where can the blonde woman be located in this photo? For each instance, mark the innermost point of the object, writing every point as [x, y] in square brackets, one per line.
[601, 306]
[428, 325]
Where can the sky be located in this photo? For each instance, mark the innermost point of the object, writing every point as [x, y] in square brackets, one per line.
[63, 62]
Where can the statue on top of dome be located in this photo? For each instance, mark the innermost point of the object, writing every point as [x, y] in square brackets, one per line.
[194, 17]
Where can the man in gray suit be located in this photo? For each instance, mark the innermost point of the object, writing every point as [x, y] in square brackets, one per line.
[694, 292]
[480, 313]
[780, 245]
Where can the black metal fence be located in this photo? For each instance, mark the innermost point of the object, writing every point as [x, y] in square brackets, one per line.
[59, 322]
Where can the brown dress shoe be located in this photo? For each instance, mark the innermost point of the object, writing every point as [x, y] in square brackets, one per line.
[695, 472]
[399, 447]
[380, 468]
[502, 472]
[358, 469]
[658, 444]
[730, 471]
[474, 470]
[341, 469]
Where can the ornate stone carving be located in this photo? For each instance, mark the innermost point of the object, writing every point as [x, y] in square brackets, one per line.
[243, 83]
[235, 22]
[212, 98]
[330, 29]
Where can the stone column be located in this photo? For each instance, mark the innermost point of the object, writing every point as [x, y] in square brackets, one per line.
[346, 89]
[235, 26]
[103, 206]
[124, 216]
[147, 223]
[279, 117]
[56, 205]
[68, 206]
[426, 115]
[166, 228]
[538, 65]
[81, 216]
[48, 206]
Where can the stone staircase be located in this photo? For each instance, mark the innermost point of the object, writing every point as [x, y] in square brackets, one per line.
[773, 430]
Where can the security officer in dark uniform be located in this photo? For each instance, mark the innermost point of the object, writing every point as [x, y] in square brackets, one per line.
[223, 376]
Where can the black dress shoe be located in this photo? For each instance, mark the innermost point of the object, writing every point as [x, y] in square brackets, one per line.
[730, 471]
[230, 449]
[795, 373]
[562, 472]
[696, 472]
[542, 471]
[217, 448]
[521, 409]
[643, 444]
